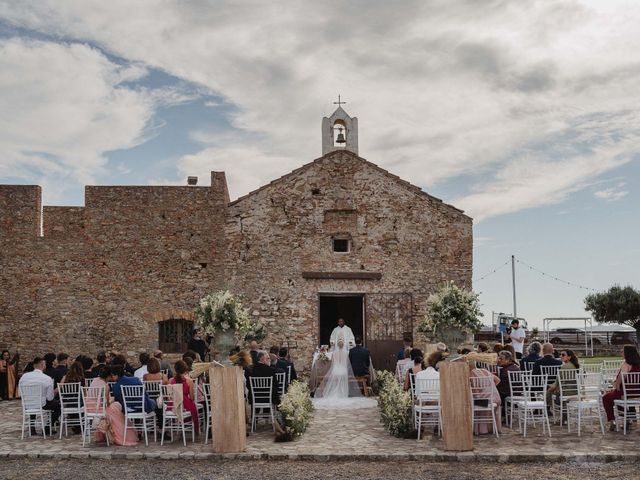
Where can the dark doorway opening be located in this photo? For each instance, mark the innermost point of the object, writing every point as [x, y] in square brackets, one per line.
[349, 307]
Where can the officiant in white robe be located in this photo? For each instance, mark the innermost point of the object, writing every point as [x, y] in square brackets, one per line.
[345, 332]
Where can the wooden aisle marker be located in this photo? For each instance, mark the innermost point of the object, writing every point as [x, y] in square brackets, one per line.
[227, 410]
[455, 401]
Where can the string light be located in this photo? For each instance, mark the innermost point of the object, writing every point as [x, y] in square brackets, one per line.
[492, 272]
[548, 275]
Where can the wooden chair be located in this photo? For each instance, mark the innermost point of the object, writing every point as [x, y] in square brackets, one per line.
[363, 383]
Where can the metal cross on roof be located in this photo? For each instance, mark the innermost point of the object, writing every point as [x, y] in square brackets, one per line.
[339, 102]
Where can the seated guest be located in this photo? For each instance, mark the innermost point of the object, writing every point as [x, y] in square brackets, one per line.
[263, 369]
[144, 358]
[482, 348]
[121, 360]
[75, 374]
[153, 372]
[188, 391]
[253, 350]
[37, 377]
[62, 362]
[509, 348]
[417, 358]
[87, 364]
[164, 364]
[498, 347]
[569, 362]
[101, 358]
[273, 354]
[122, 381]
[547, 360]
[631, 364]
[190, 354]
[50, 369]
[360, 359]
[507, 364]
[533, 356]
[486, 395]
[284, 364]
[114, 411]
[431, 370]
[464, 351]
[403, 365]
[402, 354]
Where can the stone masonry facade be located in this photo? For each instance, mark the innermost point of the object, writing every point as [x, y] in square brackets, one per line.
[82, 279]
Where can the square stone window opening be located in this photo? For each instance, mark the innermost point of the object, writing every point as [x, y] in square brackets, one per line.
[341, 244]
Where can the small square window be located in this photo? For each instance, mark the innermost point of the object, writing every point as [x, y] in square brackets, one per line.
[341, 245]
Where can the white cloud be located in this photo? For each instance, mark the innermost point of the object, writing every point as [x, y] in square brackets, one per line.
[440, 88]
[63, 107]
[612, 194]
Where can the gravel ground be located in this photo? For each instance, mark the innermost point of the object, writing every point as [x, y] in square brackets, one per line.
[78, 469]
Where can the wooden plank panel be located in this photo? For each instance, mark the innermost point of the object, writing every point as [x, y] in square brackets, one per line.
[227, 410]
[455, 399]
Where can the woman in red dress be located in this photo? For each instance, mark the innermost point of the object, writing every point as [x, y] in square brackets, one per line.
[182, 376]
[631, 364]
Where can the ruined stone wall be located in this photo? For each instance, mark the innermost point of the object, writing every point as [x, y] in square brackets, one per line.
[103, 275]
[275, 234]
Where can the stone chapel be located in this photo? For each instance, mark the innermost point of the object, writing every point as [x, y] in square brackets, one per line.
[337, 237]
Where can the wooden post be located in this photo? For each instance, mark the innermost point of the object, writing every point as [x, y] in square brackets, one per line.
[227, 410]
[455, 401]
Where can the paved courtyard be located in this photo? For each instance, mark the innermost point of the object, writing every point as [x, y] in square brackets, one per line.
[347, 435]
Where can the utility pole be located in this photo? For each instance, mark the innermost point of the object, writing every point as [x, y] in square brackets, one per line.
[513, 278]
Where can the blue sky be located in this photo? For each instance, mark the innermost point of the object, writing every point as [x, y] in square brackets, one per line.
[522, 113]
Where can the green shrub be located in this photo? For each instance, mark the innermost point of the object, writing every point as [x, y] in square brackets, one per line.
[294, 411]
[394, 405]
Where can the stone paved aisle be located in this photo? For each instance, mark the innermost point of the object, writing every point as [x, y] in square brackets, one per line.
[340, 434]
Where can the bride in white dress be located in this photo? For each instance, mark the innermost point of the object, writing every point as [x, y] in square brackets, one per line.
[339, 389]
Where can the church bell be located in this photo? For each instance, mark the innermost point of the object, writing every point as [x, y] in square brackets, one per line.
[340, 138]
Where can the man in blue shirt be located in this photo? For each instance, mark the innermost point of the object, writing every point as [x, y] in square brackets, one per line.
[117, 375]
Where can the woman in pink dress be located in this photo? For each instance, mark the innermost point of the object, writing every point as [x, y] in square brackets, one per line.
[114, 426]
[188, 393]
[490, 394]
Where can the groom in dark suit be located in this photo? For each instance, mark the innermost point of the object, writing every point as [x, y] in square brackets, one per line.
[360, 359]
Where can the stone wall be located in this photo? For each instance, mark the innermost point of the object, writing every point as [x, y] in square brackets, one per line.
[103, 275]
[413, 240]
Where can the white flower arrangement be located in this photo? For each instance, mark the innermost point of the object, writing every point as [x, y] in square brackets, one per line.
[220, 312]
[294, 411]
[394, 405]
[451, 308]
[257, 332]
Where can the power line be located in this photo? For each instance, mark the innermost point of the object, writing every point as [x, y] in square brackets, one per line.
[492, 272]
[553, 277]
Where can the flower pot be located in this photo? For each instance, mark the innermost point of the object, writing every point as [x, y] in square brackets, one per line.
[451, 336]
[224, 342]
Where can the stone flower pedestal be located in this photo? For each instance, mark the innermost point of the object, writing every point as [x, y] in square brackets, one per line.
[227, 410]
[455, 401]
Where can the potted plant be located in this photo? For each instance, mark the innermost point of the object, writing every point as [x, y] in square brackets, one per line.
[222, 315]
[452, 314]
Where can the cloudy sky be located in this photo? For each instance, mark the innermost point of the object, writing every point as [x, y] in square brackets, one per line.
[523, 113]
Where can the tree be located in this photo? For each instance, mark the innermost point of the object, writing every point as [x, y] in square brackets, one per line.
[619, 305]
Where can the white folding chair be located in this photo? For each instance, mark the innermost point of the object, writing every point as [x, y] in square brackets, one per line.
[588, 405]
[612, 364]
[174, 422]
[516, 393]
[289, 368]
[482, 401]
[591, 367]
[32, 411]
[70, 407]
[152, 388]
[207, 399]
[134, 402]
[94, 404]
[261, 407]
[533, 405]
[495, 369]
[551, 371]
[197, 398]
[426, 409]
[609, 377]
[567, 390]
[630, 399]
[87, 382]
[282, 377]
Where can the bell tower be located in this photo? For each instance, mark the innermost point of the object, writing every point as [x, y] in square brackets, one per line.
[339, 131]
